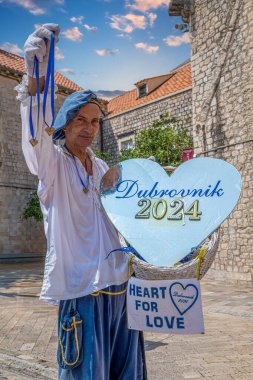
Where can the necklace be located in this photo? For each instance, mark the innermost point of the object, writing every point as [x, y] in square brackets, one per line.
[85, 187]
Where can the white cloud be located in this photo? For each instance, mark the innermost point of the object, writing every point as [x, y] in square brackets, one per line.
[90, 28]
[78, 19]
[73, 34]
[148, 48]
[122, 35]
[30, 5]
[33, 6]
[152, 17]
[11, 48]
[177, 40]
[146, 5]
[67, 71]
[103, 52]
[58, 54]
[128, 22]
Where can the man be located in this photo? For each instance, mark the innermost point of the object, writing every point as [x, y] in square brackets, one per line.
[89, 287]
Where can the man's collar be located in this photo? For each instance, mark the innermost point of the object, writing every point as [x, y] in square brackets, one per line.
[88, 150]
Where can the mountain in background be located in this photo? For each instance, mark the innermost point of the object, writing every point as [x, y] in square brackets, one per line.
[108, 95]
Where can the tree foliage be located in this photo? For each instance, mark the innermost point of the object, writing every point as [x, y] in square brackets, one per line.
[164, 140]
[32, 208]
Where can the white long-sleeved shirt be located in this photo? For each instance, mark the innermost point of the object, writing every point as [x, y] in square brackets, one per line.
[79, 233]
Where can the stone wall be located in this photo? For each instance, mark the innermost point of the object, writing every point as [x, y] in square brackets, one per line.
[16, 182]
[131, 121]
[222, 94]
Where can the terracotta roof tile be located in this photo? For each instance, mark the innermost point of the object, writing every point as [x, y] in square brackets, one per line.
[180, 79]
[15, 63]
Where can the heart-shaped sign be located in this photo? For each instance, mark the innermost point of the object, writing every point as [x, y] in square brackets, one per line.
[164, 217]
[183, 297]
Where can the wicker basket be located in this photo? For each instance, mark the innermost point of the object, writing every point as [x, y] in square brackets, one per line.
[195, 268]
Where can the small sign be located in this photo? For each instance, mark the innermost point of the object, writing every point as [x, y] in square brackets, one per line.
[187, 154]
[165, 306]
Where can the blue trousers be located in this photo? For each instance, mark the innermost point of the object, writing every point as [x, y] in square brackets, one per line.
[101, 346]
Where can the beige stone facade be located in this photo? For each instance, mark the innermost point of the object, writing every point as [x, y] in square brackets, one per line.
[222, 98]
[17, 237]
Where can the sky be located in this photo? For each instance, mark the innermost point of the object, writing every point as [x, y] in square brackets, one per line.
[104, 44]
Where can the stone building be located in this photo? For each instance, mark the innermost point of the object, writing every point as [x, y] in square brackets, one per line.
[136, 109]
[18, 237]
[222, 121]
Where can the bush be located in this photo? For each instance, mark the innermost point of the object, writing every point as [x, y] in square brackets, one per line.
[164, 140]
[32, 208]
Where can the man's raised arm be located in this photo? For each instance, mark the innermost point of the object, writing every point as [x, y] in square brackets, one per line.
[38, 147]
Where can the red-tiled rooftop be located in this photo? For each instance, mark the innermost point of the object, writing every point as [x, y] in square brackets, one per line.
[180, 79]
[14, 64]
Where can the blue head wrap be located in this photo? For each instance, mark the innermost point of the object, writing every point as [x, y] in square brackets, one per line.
[69, 109]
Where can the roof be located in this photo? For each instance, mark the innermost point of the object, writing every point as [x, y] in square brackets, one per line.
[14, 65]
[179, 79]
[147, 79]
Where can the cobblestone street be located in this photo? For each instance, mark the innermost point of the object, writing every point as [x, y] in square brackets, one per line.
[28, 335]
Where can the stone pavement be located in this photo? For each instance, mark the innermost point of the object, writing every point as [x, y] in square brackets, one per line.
[28, 335]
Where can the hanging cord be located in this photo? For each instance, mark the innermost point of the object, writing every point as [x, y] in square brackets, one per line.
[200, 259]
[33, 140]
[130, 262]
[49, 78]
[127, 249]
[221, 62]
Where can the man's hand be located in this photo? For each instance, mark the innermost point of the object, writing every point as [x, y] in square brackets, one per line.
[110, 179]
[38, 44]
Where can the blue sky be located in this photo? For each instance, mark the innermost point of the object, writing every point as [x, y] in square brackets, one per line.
[104, 44]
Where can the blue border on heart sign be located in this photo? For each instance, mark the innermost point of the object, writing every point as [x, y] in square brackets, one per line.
[184, 288]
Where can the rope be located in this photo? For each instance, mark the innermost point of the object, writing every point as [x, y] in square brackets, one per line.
[130, 262]
[200, 259]
[108, 293]
[221, 62]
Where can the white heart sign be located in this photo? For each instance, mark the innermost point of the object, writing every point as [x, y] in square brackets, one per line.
[164, 217]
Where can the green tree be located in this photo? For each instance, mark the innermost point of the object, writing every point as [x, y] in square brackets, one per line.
[164, 140]
[32, 208]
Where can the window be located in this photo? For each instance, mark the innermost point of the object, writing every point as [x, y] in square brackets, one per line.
[126, 142]
[142, 90]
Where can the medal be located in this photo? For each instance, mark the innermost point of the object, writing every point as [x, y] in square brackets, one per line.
[33, 142]
[49, 130]
[85, 187]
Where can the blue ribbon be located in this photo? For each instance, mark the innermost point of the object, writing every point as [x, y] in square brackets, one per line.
[81, 180]
[49, 75]
[36, 69]
[128, 249]
[49, 78]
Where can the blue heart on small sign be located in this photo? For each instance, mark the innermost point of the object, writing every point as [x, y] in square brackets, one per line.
[163, 217]
[183, 297]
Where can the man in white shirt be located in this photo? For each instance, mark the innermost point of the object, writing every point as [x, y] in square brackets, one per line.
[89, 287]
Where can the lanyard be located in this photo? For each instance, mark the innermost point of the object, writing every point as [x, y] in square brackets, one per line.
[33, 140]
[85, 187]
[49, 78]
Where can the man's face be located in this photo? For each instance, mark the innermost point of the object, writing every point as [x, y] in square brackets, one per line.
[82, 129]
